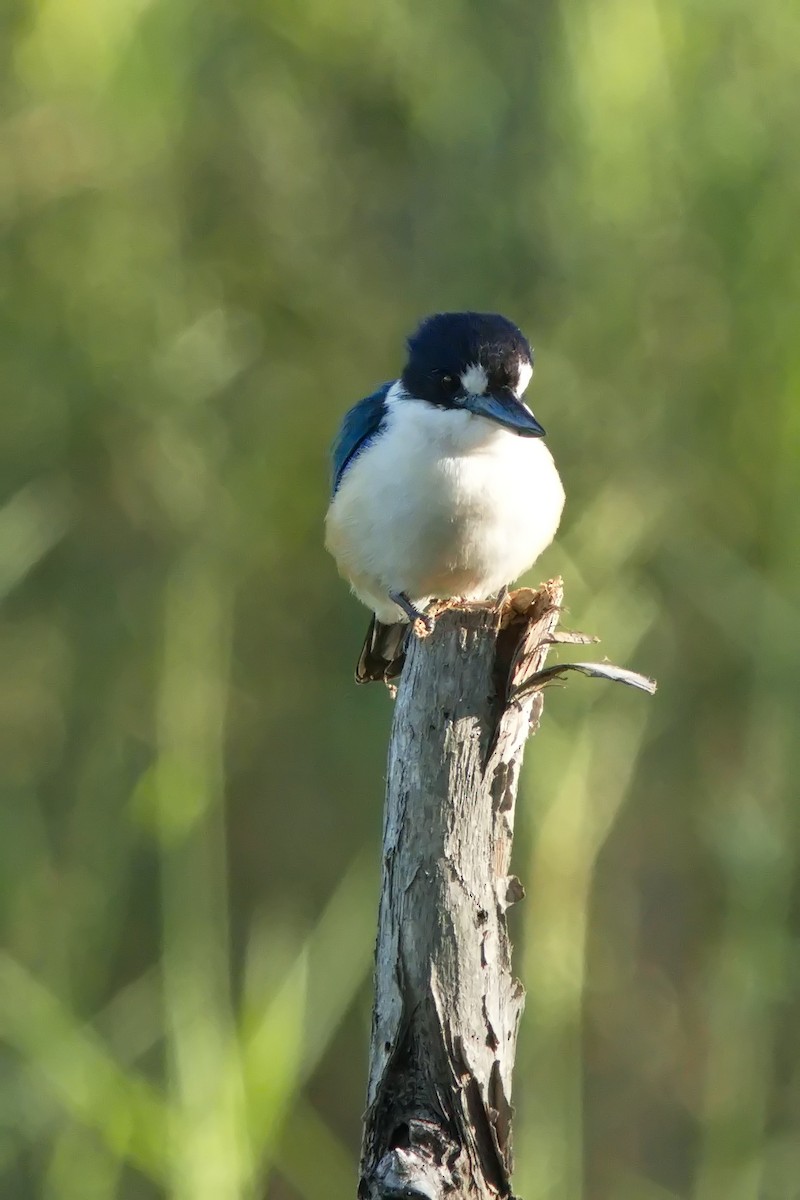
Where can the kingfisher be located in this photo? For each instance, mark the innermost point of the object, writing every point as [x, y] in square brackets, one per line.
[442, 488]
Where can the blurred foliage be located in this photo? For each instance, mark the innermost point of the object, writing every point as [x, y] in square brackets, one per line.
[218, 221]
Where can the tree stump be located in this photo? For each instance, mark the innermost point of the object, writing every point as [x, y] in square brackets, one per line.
[447, 1005]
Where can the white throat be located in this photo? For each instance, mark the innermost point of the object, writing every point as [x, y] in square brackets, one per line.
[422, 428]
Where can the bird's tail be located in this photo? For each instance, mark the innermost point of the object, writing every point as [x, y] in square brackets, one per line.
[383, 653]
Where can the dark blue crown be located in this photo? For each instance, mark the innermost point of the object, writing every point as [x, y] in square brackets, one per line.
[449, 342]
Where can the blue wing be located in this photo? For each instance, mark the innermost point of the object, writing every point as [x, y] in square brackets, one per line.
[360, 426]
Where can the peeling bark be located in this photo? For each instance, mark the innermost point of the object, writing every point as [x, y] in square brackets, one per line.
[447, 1005]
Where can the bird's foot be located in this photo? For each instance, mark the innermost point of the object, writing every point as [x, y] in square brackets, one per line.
[421, 623]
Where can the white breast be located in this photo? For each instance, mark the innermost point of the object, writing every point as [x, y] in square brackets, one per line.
[443, 503]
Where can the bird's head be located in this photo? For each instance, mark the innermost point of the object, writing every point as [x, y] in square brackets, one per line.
[473, 362]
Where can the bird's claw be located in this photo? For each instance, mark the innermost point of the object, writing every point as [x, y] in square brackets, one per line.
[421, 623]
[424, 625]
[502, 597]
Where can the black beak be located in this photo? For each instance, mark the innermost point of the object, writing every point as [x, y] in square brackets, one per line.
[503, 407]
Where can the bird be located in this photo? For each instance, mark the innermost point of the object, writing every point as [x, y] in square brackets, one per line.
[442, 486]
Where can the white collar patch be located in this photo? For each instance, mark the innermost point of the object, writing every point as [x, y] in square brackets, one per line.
[523, 378]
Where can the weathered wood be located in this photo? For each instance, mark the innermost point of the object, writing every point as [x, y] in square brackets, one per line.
[447, 1005]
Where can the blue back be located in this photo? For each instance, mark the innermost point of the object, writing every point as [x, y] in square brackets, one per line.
[361, 425]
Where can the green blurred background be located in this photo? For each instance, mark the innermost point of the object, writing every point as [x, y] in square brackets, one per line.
[219, 220]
